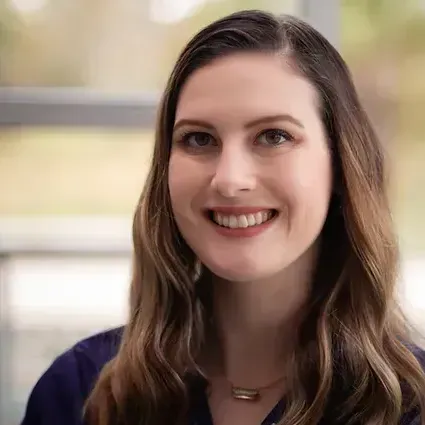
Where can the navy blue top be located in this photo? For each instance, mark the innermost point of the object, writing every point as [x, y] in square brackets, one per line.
[59, 395]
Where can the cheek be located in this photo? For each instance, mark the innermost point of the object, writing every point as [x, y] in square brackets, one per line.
[176, 181]
[182, 183]
[307, 182]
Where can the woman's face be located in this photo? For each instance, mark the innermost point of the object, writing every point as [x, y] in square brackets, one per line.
[250, 173]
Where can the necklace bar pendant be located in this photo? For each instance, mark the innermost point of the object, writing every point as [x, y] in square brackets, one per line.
[239, 393]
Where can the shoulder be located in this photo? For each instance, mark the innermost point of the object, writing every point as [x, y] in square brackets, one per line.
[414, 417]
[60, 393]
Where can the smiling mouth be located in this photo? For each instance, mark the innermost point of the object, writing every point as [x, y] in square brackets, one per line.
[242, 221]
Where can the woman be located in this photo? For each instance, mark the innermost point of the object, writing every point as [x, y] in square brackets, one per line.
[265, 260]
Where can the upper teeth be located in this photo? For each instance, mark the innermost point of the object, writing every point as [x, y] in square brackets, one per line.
[243, 220]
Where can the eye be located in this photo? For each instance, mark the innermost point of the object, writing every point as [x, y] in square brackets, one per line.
[197, 139]
[274, 137]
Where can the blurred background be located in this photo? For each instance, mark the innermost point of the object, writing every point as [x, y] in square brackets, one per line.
[79, 83]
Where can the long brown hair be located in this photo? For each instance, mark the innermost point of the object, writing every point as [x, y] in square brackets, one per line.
[353, 345]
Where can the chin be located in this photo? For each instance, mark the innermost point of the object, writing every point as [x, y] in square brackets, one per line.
[237, 272]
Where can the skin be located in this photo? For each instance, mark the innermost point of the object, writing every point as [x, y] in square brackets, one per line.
[248, 134]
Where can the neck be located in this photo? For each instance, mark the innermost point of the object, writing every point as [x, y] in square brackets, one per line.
[257, 321]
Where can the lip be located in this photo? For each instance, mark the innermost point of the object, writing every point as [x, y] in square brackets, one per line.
[247, 232]
[238, 210]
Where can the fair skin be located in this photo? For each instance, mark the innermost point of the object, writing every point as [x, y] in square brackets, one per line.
[248, 137]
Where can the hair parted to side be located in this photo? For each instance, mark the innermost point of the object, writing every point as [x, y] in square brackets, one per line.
[353, 343]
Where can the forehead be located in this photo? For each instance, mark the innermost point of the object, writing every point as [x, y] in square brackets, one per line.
[245, 85]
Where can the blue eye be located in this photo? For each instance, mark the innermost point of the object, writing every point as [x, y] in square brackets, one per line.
[197, 139]
[274, 137]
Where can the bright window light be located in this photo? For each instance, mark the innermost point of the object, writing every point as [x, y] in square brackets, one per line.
[28, 6]
[170, 11]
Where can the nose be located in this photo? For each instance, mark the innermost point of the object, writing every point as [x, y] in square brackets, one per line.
[234, 173]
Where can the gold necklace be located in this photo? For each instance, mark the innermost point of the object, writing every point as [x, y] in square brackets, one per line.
[251, 394]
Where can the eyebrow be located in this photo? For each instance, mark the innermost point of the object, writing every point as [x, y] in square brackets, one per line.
[262, 120]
